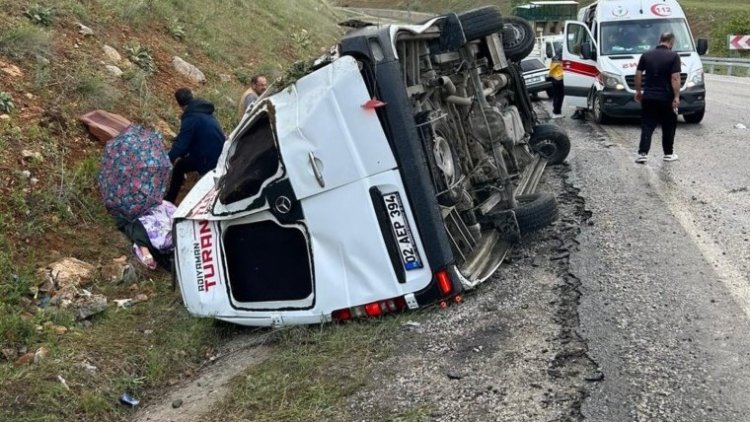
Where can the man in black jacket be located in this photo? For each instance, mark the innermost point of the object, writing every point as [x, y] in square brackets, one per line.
[660, 97]
[199, 143]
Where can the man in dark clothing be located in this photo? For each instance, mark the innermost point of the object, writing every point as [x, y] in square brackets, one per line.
[660, 97]
[199, 143]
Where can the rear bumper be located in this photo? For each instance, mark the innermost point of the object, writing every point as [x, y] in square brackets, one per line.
[623, 104]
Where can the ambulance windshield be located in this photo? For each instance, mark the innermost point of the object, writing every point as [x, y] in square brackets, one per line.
[636, 37]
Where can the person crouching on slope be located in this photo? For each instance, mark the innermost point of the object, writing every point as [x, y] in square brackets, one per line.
[199, 143]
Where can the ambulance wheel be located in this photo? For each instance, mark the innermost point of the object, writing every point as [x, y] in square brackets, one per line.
[695, 117]
[599, 116]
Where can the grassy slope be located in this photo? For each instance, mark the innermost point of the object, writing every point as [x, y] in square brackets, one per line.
[152, 344]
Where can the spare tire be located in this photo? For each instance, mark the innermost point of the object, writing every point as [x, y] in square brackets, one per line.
[481, 22]
[535, 211]
[518, 38]
[551, 142]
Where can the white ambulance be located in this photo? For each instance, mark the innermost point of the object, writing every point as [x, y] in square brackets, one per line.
[601, 52]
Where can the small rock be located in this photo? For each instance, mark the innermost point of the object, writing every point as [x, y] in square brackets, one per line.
[26, 174]
[4, 116]
[11, 70]
[119, 271]
[59, 329]
[559, 256]
[26, 359]
[40, 354]
[86, 307]
[740, 126]
[596, 376]
[29, 95]
[225, 78]
[177, 403]
[85, 30]
[114, 70]
[29, 155]
[188, 70]
[454, 375]
[9, 354]
[112, 54]
[140, 297]
[68, 272]
[42, 60]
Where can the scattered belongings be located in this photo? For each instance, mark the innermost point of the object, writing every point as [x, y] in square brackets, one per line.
[104, 125]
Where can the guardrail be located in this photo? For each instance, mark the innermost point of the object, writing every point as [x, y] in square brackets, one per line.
[725, 65]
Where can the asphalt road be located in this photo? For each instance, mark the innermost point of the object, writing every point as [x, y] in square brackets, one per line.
[665, 305]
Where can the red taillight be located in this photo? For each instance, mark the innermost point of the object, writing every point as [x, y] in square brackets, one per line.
[342, 314]
[373, 104]
[444, 282]
[373, 309]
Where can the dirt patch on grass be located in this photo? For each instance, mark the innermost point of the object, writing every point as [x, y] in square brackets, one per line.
[192, 400]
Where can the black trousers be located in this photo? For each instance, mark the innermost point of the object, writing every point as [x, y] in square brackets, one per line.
[558, 93]
[657, 112]
[182, 166]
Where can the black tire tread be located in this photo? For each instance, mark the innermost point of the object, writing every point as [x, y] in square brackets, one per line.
[555, 133]
[519, 52]
[694, 118]
[535, 211]
[481, 22]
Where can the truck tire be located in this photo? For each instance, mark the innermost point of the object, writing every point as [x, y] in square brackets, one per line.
[535, 211]
[481, 22]
[518, 38]
[551, 142]
[694, 117]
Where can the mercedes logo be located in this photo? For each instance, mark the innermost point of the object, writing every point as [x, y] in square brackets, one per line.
[283, 204]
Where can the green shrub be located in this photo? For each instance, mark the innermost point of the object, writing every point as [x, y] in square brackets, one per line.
[141, 57]
[40, 15]
[25, 41]
[176, 30]
[6, 102]
[739, 23]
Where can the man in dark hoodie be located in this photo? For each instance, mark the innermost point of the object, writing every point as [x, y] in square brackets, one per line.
[199, 143]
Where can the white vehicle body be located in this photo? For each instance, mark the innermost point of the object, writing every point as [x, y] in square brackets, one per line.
[354, 191]
[602, 49]
[332, 97]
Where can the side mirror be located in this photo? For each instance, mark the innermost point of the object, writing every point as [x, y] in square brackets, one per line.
[702, 46]
[587, 52]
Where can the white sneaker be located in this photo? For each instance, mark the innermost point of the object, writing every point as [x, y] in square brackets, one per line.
[642, 158]
[557, 116]
[671, 157]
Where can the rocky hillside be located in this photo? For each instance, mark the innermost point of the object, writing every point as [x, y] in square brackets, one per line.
[69, 356]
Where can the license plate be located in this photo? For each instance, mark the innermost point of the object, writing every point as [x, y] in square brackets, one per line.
[402, 232]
